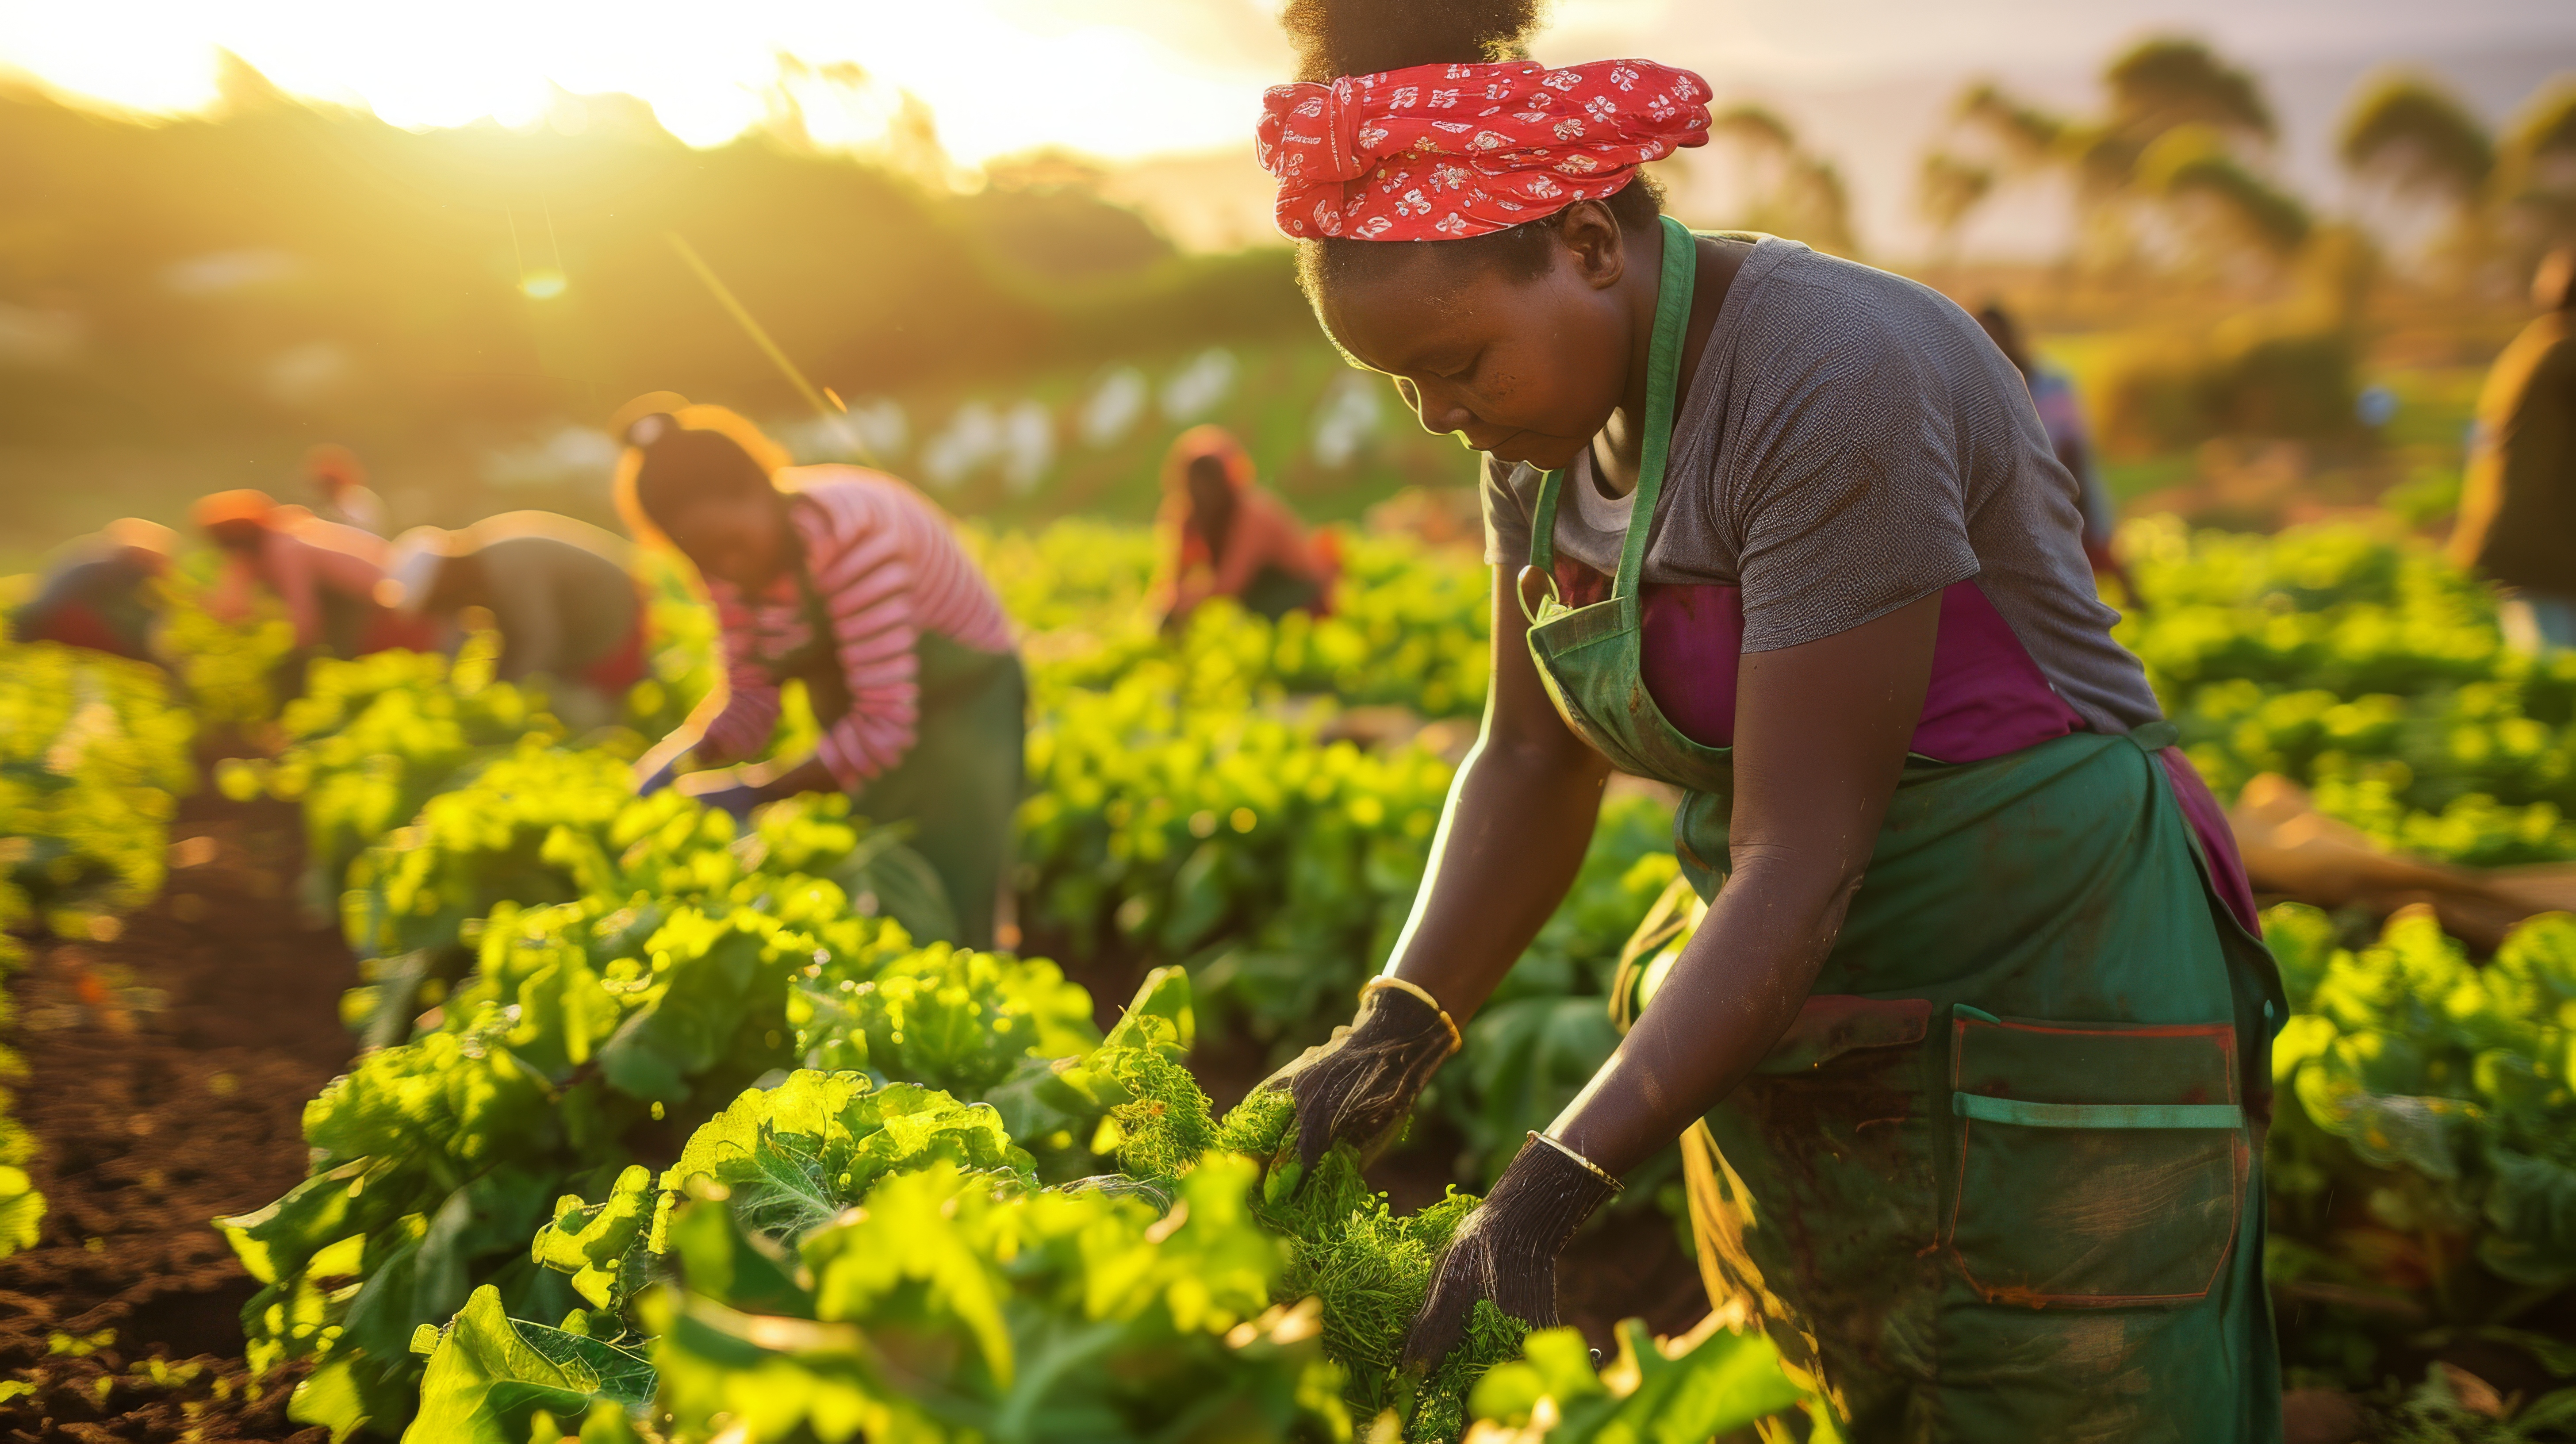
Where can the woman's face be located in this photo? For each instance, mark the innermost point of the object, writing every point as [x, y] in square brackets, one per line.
[1211, 498]
[740, 540]
[1522, 368]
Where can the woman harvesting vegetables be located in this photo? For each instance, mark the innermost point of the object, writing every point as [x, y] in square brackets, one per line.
[1971, 1044]
[324, 573]
[1229, 538]
[853, 583]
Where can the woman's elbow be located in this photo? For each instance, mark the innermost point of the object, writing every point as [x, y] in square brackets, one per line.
[1818, 878]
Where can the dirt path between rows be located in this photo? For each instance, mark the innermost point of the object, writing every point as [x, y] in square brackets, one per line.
[166, 1075]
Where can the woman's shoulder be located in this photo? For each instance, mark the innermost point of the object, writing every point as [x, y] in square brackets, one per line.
[1833, 299]
[1508, 491]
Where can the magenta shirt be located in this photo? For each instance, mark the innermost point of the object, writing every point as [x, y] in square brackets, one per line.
[1986, 697]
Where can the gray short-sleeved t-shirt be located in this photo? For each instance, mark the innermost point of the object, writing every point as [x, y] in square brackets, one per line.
[1852, 442]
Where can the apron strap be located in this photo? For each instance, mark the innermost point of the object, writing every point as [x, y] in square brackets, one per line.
[1542, 552]
[1663, 369]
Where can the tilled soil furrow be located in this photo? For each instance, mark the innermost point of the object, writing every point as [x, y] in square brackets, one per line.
[166, 1074]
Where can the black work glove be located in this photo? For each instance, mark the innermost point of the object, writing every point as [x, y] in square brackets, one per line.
[1506, 1249]
[1357, 1086]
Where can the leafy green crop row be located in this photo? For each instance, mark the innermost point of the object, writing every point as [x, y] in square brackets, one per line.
[829, 1258]
[1409, 625]
[622, 975]
[2372, 671]
[93, 759]
[1181, 828]
[2424, 1146]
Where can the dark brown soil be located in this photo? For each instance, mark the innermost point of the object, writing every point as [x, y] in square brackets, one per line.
[167, 1071]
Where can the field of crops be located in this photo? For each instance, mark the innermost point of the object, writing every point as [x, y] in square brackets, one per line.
[663, 1128]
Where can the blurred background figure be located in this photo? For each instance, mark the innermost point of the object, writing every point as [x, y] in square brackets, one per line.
[339, 482]
[1227, 537]
[558, 591]
[2052, 391]
[854, 584]
[324, 574]
[99, 595]
[2518, 503]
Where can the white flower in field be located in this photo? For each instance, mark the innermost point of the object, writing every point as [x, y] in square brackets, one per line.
[1202, 382]
[970, 441]
[1115, 406]
[1346, 419]
[881, 426]
[873, 432]
[1028, 446]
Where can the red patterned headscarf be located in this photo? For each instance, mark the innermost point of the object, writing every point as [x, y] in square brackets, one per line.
[1436, 152]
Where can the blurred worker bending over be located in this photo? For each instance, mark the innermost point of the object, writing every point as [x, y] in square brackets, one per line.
[324, 574]
[339, 482]
[1229, 538]
[2061, 414]
[2518, 504]
[854, 584]
[99, 594]
[559, 593]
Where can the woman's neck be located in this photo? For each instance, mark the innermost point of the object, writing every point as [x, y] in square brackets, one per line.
[1618, 451]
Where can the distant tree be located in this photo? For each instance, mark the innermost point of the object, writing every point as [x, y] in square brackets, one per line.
[1782, 187]
[2192, 164]
[2409, 138]
[2536, 169]
[1946, 191]
[2503, 202]
[2184, 133]
[2413, 132]
[2162, 84]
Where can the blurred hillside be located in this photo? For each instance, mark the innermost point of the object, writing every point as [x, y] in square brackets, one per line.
[187, 303]
[230, 287]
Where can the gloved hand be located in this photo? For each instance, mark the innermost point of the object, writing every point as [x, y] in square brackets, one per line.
[1357, 1086]
[737, 800]
[1506, 1249]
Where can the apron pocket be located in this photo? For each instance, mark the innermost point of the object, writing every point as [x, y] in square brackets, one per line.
[2100, 1164]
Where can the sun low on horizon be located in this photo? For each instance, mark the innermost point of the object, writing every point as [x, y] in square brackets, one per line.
[1118, 79]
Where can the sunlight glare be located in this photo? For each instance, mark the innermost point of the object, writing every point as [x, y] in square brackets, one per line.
[999, 76]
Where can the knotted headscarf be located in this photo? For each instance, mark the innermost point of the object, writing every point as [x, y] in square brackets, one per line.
[1437, 152]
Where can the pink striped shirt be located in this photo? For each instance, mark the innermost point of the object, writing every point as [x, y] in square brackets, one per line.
[887, 567]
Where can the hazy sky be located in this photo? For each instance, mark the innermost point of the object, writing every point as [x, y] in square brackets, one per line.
[1116, 77]
[1866, 83]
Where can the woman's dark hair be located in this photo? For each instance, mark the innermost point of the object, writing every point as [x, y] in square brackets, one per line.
[1334, 38]
[682, 466]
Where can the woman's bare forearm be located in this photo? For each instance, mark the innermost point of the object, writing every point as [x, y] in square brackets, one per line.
[1512, 833]
[1735, 989]
[1510, 842]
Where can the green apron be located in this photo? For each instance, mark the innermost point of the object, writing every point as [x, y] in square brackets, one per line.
[959, 786]
[2002, 1178]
